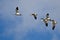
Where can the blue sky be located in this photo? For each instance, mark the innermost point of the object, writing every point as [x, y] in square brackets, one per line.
[25, 27]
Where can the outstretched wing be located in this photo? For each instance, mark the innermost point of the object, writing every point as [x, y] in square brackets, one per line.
[35, 17]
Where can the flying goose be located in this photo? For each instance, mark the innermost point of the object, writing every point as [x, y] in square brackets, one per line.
[45, 20]
[34, 15]
[53, 24]
[17, 12]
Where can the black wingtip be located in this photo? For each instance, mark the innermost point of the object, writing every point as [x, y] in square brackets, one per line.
[35, 17]
[46, 24]
[53, 27]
